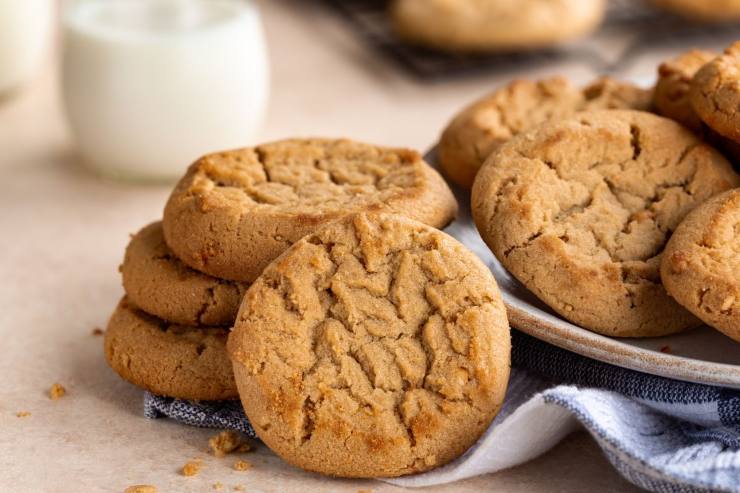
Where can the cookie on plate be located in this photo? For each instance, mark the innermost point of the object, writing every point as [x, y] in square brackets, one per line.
[520, 105]
[235, 211]
[579, 211]
[703, 10]
[166, 359]
[701, 263]
[671, 96]
[494, 25]
[376, 346]
[156, 281]
[715, 93]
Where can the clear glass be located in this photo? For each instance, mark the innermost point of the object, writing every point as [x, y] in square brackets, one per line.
[151, 85]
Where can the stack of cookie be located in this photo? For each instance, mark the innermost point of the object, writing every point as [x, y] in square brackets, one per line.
[368, 343]
[226, 220]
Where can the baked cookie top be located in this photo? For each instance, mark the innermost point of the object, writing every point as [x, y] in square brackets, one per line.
[235, 211]
[168, 359]
[156, 281]
[494, 25]
[671, 96]
[715, 93]
[580, 210]
[520, 105]
[701, 264]
[377, 346]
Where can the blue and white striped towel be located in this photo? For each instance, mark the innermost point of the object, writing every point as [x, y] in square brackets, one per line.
[660, 434]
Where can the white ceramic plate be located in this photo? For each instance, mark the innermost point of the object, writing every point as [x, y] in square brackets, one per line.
[702, 355]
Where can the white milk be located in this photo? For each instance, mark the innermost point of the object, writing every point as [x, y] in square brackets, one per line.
[25, 28]
[150, 85]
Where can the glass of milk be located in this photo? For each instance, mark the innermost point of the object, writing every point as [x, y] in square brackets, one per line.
[25, 29]
[151, 85]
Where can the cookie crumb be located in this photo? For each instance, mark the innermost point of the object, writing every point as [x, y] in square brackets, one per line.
[242, 465]
[227, 442]
[666, 349]
[57, 391]
[23, 414]
[141, 488]
[218, 486]
[238, 487]
[97, 331]
[191, 468]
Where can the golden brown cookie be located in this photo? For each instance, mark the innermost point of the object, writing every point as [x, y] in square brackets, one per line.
[376, 346]
[494, 25]
[701, 263]
[482, 127]
[703, 10]
[671, 96]
[236, 211]
[166, 359]
[579, 210]
[156, 281]
[715, 93]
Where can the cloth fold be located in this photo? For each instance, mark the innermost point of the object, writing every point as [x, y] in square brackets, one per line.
[660, 434]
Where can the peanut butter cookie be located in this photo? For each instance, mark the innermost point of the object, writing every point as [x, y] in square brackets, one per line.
[376, 346]
[156, 281]
[671, 96]
[701, 264]
[236, 211]
[166, 359]
[482, 127]
[580, 210]
[494, 25]
[715, 93]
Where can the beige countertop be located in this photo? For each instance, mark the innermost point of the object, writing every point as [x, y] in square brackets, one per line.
[64, 231]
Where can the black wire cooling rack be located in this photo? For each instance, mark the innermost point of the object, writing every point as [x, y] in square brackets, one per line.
[646, 27]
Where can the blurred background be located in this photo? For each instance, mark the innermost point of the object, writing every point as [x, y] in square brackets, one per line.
[136, 89]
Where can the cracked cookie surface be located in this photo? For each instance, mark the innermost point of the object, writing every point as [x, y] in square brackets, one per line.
[157, 281]
[715, 93]
[494, 25]
[671, 96]
[488, 123]
[236, 211]
[701, 263]
[167, 359]
[377, 346]
[580, 210]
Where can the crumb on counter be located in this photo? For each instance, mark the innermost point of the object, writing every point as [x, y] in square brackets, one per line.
[23, 414]
[97, 331]
[227, 442]
[192, 467]
[57, 391]
[666, 349]
[141, 488]
[238, 487]
[242, 465]
[218, 486]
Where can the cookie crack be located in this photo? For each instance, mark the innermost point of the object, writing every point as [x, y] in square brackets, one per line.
[209, 300]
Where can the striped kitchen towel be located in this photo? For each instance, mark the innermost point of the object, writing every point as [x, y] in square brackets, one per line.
[660, 434]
